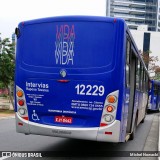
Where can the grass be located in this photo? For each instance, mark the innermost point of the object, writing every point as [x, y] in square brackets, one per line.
[6, 111]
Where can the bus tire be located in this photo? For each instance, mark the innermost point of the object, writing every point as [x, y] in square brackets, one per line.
[144, 117]
[134, 130]
[143, 120]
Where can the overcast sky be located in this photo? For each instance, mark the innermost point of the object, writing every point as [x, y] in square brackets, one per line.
[14, 11]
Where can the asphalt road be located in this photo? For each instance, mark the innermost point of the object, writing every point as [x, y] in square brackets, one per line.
[12, 141]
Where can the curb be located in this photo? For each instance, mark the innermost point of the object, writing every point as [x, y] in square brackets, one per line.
[152, 139]
[159, 139]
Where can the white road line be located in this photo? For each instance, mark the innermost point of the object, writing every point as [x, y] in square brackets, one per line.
[11, 117]
[2, 158]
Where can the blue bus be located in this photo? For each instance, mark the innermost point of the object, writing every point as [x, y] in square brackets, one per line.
[79, 77]
[154, 96]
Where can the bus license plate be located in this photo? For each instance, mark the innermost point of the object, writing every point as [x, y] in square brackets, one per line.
[61, 119]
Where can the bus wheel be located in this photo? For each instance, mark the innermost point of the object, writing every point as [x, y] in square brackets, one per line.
[134, 130]
[143, 120]
[144, 117]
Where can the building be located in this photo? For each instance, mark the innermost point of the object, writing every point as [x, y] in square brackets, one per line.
[151, 38]
[135, 12]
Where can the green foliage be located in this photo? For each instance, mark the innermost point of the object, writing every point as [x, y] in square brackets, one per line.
[157, 73]
[3, 95]
[7, 64]
[157, 77]
[2, 85]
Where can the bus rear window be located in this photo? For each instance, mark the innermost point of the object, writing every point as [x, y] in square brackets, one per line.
[68, 44]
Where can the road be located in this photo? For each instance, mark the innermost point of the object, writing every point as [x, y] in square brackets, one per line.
[146, 138]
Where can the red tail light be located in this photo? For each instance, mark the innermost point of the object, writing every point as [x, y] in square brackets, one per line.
[63, 80]
[26, 118]
[103, 124]
[21, 102]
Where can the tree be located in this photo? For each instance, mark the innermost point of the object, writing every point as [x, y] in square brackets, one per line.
[157, 73]
[150, 62]
[7, 64]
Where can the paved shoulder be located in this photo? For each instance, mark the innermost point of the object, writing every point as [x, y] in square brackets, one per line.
[6, 116]
[10, 117]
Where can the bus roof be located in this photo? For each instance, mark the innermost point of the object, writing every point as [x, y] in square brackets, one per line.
[72, 18]
[136, 49]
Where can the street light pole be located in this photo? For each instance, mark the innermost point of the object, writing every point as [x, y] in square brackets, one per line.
[0, 45]
[108, 6]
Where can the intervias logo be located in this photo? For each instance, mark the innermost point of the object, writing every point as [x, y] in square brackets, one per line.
[64, 52]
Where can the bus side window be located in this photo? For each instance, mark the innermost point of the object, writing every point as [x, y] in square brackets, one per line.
[147, 87]
[159, 90]
[155, 89]
[138, 75]
[141, 78]
[128, 49]
[144, 80]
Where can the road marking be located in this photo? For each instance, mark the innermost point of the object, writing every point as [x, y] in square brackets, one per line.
[11, 117]
[2, 158]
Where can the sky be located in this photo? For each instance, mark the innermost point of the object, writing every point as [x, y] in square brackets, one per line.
[14, 11]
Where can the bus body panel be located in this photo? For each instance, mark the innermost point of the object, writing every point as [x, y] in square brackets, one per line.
[49, 49]
[154, 96]
[143, 98]
[60, 100]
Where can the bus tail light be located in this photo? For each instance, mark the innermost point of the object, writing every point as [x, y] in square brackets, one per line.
[22, 111]
[111, 99]
[108, 118]
[21, 103]
[63, 80]
[19, 93]
[103, 124]
[110, 109]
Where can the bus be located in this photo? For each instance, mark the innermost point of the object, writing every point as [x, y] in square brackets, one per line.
[79, 77]
[154, 96]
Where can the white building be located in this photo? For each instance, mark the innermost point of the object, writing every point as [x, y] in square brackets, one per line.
[154, 38]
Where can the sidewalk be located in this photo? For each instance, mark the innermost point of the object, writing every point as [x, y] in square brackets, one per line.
[6, 109]
[5, 103]
[152, 138]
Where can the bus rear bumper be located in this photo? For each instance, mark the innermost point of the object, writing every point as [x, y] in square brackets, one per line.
[94, 133]
[109, 133]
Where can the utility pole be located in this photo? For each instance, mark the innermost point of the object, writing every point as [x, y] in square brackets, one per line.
[108, 6]
[0, 45]
[13, 40]
[146, 46]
